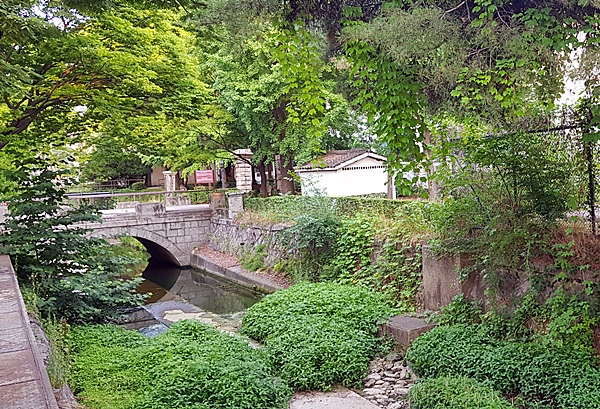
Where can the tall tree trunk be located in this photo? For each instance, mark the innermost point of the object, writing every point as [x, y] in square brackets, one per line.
[284, 166]
[289, 185]
[148, 178]
[391, 194]
[589, 158]
[278, 172]
[263, 178]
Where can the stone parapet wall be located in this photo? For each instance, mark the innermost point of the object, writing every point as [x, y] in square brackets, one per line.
[238, 240]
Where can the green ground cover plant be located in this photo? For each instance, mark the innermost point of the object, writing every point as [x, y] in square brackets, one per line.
[455, 393]
[318, 334]
[191, 366]
[550, 374]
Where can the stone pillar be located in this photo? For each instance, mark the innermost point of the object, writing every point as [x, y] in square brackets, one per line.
[243, 170]
[236, 204]
[442, 281]
[171, 184]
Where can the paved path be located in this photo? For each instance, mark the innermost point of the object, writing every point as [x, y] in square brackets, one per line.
[24, 382]
[339, 398]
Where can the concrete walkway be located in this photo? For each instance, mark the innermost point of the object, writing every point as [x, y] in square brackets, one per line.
[24, 382]
[340, 398]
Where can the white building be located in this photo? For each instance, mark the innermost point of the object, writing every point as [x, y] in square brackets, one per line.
[344, 173]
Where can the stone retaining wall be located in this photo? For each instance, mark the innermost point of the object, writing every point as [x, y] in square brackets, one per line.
[239, 240]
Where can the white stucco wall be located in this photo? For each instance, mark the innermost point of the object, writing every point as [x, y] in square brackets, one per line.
[355, 179]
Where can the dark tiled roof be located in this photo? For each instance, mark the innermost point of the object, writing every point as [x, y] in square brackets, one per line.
[333, 158]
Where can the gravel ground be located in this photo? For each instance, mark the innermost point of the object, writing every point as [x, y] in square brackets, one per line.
[388, 382]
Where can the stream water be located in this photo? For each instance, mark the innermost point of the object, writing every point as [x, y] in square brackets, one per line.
[189, 293]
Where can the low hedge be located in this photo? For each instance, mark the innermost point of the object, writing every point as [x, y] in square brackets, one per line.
[318, 334]
[567, 377]
[289, 207]
[455, 393]
[191, 366]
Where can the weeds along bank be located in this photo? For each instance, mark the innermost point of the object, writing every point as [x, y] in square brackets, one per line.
[375, 243]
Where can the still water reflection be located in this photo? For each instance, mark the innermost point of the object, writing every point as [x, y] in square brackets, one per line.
[200, 288]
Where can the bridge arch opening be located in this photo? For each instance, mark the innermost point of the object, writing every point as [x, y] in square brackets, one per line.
[158, 252]
[159, 248]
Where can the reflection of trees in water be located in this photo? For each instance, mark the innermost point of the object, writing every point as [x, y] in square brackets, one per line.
[200, 289]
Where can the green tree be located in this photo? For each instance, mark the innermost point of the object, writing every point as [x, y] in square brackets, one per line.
[497, 61]
[282, 97]
[111, 162]
[72, 275]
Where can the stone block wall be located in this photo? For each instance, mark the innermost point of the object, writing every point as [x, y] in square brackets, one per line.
[235, 239]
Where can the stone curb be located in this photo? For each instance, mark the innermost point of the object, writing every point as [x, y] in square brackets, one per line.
[236, 274]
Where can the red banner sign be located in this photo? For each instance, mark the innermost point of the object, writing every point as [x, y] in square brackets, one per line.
[204, 176]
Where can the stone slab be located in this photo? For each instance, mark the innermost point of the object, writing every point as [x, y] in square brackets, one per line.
[11, 320]
[7, 306]
[442, 281]
[26, 395]
[14, 339]
[17, 367]
[24, 383]
[404, 330]
[337, 399]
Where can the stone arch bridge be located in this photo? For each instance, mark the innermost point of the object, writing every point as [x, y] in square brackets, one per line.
[168, 233]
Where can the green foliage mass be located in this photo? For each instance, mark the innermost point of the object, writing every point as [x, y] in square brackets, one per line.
[318, 334]
[314, 240]
[191, 366]
[110, 162]
[504, 196]
[371, 242]
[383, 254]
[73, 276]
[538, 372]
[455, 393]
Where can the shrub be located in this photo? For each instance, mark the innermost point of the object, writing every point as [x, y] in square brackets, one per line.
[455, 393]
[137, 186]
[381, 254]
[313, 239]
[70, 272]
[190, 366]
[289, 207]
[315, 354]
[536, 371]
[318, 334]
[459, 312]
